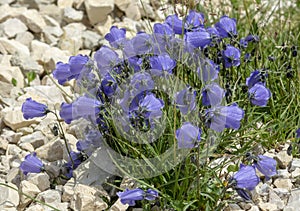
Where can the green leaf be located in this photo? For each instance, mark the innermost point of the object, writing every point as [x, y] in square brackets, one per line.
[14, 81]
[31, 76]
[232, 168]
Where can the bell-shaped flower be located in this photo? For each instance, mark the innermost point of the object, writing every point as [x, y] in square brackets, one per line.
[106, 60]
[130, 196]
[108, 85]
[116, 37]
[162, 28]
[62, 73]
[220, 117]
[212, 94]
[266, 165]
[226, 27]
[31, 164]
[231, 56]
[162, 62]
[77, 64]
[255, 77]
[298, 133]
[194, 21]
[32, 109]
[207, 70]
[66, 112]
[151, 195]
[245, 180]
[197, 39]
[175, 23]
[259, 94]
[185, 100]
[188, 135]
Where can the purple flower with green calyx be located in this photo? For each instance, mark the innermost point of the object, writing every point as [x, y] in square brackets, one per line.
[175, 23]
[135, 63]
[116, 37]
[31, 164]
[194, 21]
[266, 165]
[231, 56]
[108, 85]
[256, 77]
[77, 64]
[214, 33]
[106, 60]
[199, 38]
[32, 109]
[259, 94]
[162, 28]
[130, 196]
[244, 181]
[188, 135]
[151, 195]
[151, 106]
[185, 100]
[212, 94]
[220, 117]
[66, 112]
[226, 27]
[162, 62]
[298, 133]
[207, 70]
[62, 73]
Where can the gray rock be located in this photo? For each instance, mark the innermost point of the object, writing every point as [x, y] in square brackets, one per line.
[296, 173]
[41, 180]
[13, 149]
[50, 196]
[104, 26]
[7, 12]
[64, 3]
[97, 10]
[25, 130]
[29, 189]
[90, 39]
[26, 64]
[52, 11]
[9, 73]
[3, 143]
[11, 136]
[13, 26]
[118, 206]
[72, 15]
[283, 159]
[36, 139]
[130, 8]
[295, 164]
[51, 151]
[25, 38]
[294, 202]
[53, 55]
[27, 147]
[13, 176]
[267, 206]
[9, 198]
[34, 4]
[254, 208]
[33, 20]
[37, 49]
[282, 173]
[13, 47]
[283, 183]
[275, 199]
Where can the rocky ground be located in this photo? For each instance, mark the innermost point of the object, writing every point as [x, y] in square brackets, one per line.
[34, 35]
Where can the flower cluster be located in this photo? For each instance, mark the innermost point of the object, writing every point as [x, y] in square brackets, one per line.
[245, 180]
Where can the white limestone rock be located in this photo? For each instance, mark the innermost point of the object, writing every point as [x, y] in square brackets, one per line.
[13, 26]
[97, 10]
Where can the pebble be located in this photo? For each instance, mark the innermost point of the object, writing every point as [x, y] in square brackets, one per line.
[97, 10]
[295, 164]
[13, 47]
[29, 189]
[283, 159]
[13, 26]
[36, 139]
[283, 183]
[41, 180]
[72, 15]
[33, 20]
[9, 198]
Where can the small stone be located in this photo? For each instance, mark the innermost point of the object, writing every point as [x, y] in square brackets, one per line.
[283, 159]
[9, 73]
[118, 206]
[51, 151]
[98, 10]
[25, 130]
[296, 173]
[282, 192]
[36, 207]
[53, 55]
[26, 146]
[267, 206]
[29, 189]
[294, 202]
[7, 12]
[11, 136]
[104, 26]
[50, 197]
[25, 38]
[72, 15]
[90, 39]
[13, 26]
[133, 11]
[275, 199]
[13, 118]
[254, 208]
[41, 180]
[38, 49]
[146, 10]
[283, 183]
[13, 47]
[53, 11]
[26, 64]
[295, 164]
[3, 143]
[13, 149]
[282, 173]
[13, 176]
[36, 139]
[9, 198]
[65, 3]
[53, 169]
[33, 20]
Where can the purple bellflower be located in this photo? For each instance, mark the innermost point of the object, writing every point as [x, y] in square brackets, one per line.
[32, 109]
[199, 38]
[162, 28]
[31, 164]
[135, 63]
[298, 133]
[259, 94]
[151, 195]
[162, 62]
[245, 180]
[212, 94]
[116, 37]
[175, 23]
[208, 70]
[231, 56]
[226, 27]
[255, 77]
[106, 60]
[188, 135]
[266, 165]
[185, 100]
[108, 85]
[194, 21]
[66, 112]
[130, 196]
[220, 117]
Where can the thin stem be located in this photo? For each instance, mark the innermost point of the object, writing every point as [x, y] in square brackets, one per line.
[63, 137]
[28, 196]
